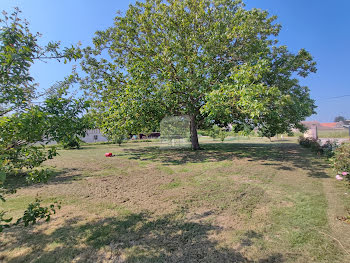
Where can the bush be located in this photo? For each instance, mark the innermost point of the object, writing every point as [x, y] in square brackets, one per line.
[203, 132]
[38, 176]
[214, 132]
[311, 143]
[73, 143]
[307, 142]
[119, 140]
[329, 148]
[341, 159]
[222, 135]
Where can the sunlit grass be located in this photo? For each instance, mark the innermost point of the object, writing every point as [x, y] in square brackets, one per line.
[333, 133]
[247, 200]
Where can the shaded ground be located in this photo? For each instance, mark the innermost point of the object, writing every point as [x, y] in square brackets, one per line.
[248, 201]
[283, 156]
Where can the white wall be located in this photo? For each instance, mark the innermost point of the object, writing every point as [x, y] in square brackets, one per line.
[94, 135]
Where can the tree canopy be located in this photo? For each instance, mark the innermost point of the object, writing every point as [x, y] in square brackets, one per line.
[340, 118]
[212, 60]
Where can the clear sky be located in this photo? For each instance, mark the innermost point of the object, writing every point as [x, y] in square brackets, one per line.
[322, 27]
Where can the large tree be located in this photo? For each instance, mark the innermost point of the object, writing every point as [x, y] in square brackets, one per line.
[212, 60]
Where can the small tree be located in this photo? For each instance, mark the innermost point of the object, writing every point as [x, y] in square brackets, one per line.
[23, 124]
[214, 132]
[340, 118]
[222, 135]
[118, 138]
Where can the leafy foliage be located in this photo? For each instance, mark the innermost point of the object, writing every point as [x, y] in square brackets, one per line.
[222, 135]
[65, 120]
[38, 176]
[20, 132]
[327, 149]
[25, 128]
[311, 143]
[31, 215]
[339, 118]
[341, 159]
[22, 124]
[212, 60]
[214, 131]
[19, 49]
[4, 222]
[35, 211]
[24, 134]
[119, 139]
[175, 127]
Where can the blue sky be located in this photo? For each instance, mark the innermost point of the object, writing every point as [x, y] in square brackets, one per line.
[322, 27]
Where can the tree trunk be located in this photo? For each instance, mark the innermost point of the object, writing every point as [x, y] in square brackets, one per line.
[194, 135]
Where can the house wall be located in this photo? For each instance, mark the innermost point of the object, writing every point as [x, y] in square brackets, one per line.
[94, 135]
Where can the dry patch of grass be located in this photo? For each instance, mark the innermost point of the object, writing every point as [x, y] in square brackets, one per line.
[247, 201]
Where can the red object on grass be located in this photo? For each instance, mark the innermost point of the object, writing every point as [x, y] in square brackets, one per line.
[108, 154]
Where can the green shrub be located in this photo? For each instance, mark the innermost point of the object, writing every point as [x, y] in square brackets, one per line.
[341, 159]
[222, 135]
[71, 143]
[329, 148]
[214, 132]
[38, 176]
[203, 132]
[311, 143]
[305, 142]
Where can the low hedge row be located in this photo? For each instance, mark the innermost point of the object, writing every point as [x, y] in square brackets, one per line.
[338, 154]
[341, 158]
[327, 149]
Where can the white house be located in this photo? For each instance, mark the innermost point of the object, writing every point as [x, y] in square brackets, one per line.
[94, 135]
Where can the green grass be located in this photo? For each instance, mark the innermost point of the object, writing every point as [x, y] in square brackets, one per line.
[344, 133]
[237, 201]
[175, 183]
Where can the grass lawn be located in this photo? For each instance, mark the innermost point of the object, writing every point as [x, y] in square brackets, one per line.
[238, 201]
[342, 133]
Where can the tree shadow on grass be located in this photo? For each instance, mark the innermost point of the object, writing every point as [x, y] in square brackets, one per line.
[16, 181]
[282, 156]
[132, 238]
[285, 156]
